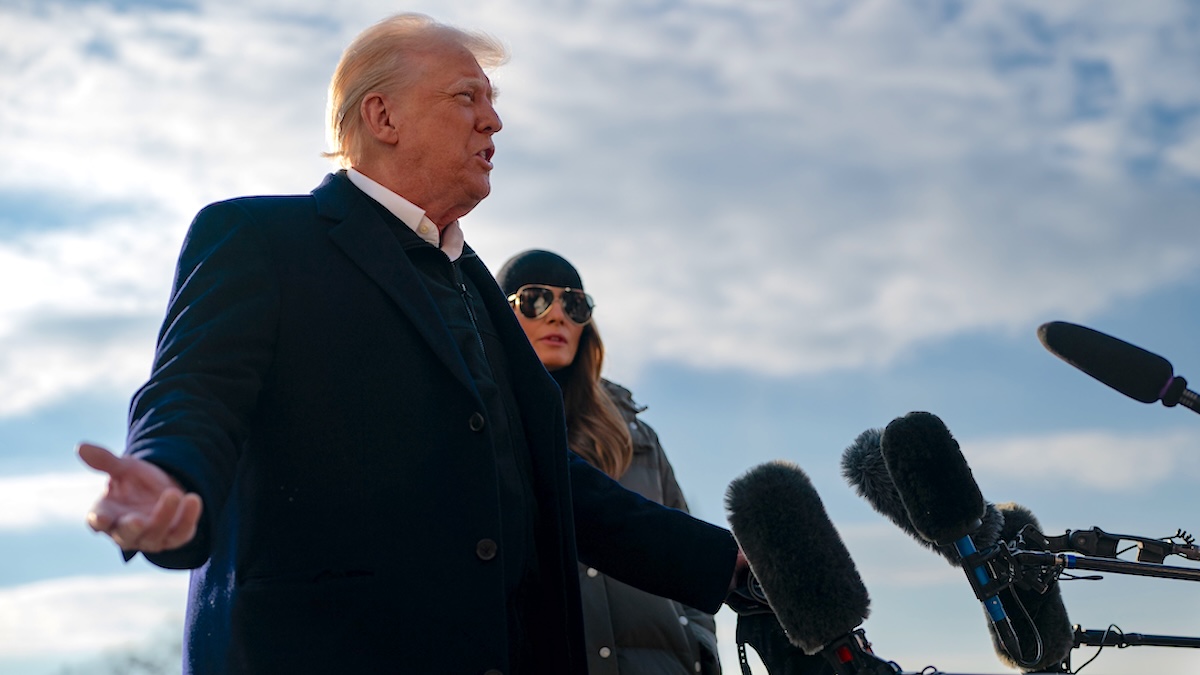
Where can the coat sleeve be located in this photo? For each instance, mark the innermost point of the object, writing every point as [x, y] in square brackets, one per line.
[658, 549]
[214, 348]
[702, 625]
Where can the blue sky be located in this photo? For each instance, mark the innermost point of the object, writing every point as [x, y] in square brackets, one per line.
[799, 220]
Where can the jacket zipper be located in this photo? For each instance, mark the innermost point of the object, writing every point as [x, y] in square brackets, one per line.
[466, 298]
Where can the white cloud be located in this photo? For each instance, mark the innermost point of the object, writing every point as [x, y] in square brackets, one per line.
[1088, 459]
[42, 500]
[795, 192]
[770, 187]
[82, 312]
[86, 614]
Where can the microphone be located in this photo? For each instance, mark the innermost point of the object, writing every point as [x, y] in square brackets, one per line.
[943, 503]
[1044, 607]
[1131, 370]
[801, 567]
[864, 468]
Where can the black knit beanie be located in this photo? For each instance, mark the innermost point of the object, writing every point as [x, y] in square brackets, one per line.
[537, 267]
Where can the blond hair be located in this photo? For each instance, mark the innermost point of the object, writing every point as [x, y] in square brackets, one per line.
[382, 59]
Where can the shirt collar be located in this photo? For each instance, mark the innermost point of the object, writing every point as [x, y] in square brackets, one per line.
[450, 240]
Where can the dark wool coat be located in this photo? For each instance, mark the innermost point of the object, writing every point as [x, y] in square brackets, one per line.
[306, 387]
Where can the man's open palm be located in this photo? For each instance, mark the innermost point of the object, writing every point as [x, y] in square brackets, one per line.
[143, 509]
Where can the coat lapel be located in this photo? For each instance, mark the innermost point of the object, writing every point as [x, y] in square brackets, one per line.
[538, 397]
[366, 240]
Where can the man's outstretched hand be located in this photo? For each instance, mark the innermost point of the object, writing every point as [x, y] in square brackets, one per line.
[143, 508]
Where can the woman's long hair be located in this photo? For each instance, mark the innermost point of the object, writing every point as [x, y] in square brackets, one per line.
[595, 429]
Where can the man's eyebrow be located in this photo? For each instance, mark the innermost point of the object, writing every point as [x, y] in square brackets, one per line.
[480, 84]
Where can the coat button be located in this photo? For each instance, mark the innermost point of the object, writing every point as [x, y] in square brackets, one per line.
[605, 652]
[683, 621]
[486, 549]
[476, 422]
[592, 572]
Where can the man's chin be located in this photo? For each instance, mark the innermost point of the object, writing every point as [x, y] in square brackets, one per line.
[480, 191]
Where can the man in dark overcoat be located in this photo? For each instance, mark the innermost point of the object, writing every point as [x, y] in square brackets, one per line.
[346, 433]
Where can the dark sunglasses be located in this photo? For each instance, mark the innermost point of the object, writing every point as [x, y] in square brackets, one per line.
[534, 300]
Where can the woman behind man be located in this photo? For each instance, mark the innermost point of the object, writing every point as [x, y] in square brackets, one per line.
[627, 631]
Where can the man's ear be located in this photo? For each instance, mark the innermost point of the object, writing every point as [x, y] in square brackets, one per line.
[377, 113]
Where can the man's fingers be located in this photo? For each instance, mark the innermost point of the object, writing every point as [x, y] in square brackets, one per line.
[102, 517]
[142, 531]
[127, 531]
[99, 458]
[143, 509]
[158, 525]
[98, 521]
[171, 524]
[187, 518]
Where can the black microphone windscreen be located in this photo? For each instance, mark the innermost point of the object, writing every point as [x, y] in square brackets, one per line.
[936, 485]
[797, 554]
[1046, 610]
[864, 469]
[1131, 370]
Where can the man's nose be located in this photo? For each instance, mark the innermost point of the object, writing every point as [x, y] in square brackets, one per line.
[489, 120]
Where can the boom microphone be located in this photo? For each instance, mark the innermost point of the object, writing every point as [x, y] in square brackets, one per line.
[1045, 609]
[796, 554]
[1131, 370]
[943, 501]
[864, 468]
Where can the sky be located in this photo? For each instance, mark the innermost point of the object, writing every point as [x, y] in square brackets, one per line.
[799, 220]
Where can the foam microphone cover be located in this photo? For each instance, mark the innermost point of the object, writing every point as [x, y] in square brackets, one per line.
[1131, 370]
[797, 554]
[864, 469]
[930, 473]
[1046, 610]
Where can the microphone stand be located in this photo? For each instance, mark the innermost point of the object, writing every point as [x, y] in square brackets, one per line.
[1120, 639]
[1099, 549]
[987, 587]
[1038, 569]
[1115, 637]
[1075, 562]
[1097, 542]
[758, 627]
[851, 654]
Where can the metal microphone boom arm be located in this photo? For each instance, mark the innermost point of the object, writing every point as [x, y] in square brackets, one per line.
[1097, 542]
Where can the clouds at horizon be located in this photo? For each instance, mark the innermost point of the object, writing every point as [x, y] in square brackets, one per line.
[777, 190]
[1095, 461]
[36, 617]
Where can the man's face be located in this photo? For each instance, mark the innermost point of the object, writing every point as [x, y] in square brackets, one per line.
[446, 124]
